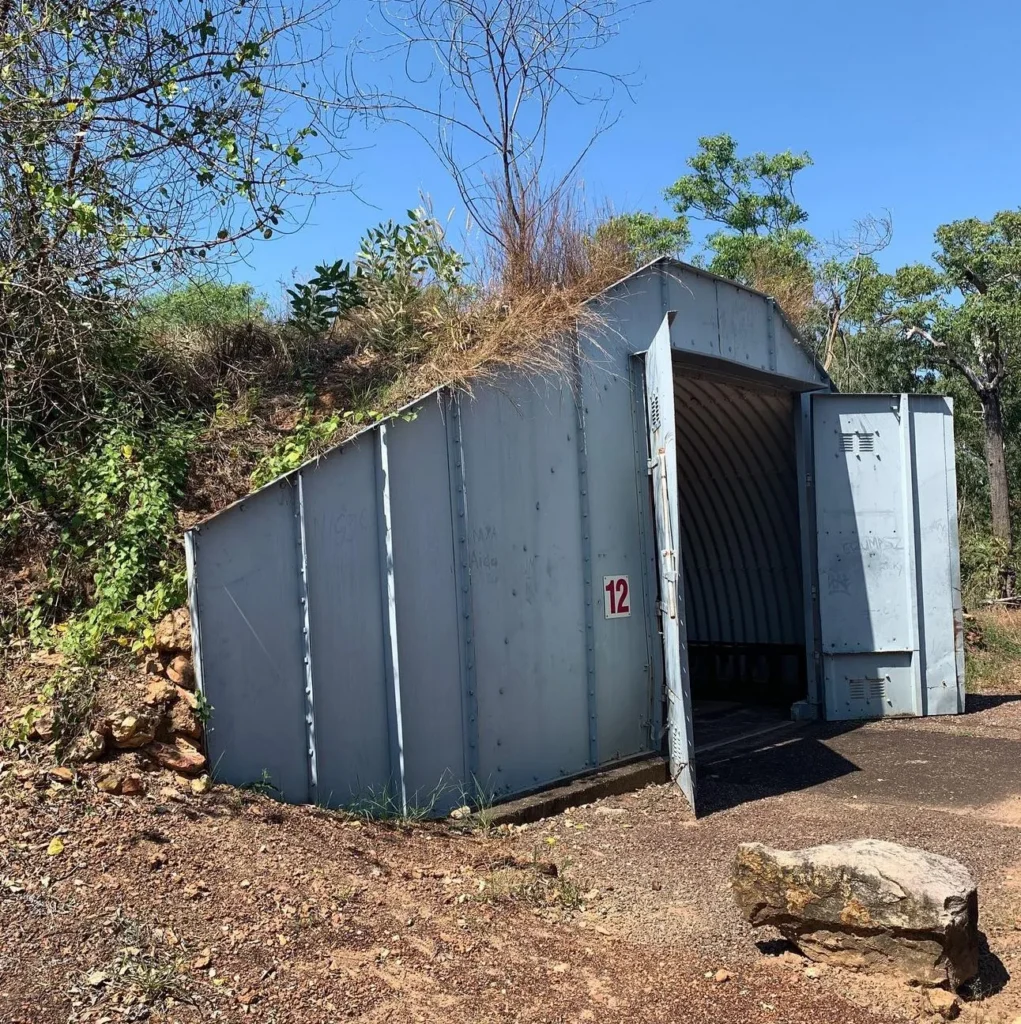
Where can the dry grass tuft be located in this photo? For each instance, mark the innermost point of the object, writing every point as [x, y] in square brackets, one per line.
[994, 650]
[794, 293]
[409, 337]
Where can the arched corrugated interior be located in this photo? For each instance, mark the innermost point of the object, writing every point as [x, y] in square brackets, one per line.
[737, 474]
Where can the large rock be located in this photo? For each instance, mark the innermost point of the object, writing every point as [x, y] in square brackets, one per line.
[133, 728]
[172, 634]
[180, 756]
[869, 905]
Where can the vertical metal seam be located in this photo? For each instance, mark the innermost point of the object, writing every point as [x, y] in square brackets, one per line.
[950, 463]
[306, 629]
[909, 505]
[469, 696]
[771, 333]
[586, 552]
[806, 509]
[640, 442]
[719, 328]
[392, 658]
[191, 569]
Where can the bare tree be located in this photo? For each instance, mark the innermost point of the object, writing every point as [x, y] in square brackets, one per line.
[486, 77]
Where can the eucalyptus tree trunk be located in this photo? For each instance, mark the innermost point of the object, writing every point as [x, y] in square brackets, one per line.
[999, 494]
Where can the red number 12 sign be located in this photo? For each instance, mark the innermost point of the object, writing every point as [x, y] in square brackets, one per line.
[617, 604]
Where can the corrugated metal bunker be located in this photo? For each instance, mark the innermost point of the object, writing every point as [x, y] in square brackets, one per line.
[492, 593]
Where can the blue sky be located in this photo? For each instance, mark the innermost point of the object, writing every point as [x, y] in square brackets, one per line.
[906, 107]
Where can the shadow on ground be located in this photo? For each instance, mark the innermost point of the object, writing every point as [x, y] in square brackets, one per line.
[976, 702]
[992, 973]
[740, 774]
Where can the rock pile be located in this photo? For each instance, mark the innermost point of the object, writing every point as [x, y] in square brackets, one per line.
[868, 905]
[165, 726]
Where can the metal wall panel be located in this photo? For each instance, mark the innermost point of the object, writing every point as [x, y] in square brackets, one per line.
[428, 638]
[527, 583]
[889, 584]
[347, 612]
[247, 599]
[864, 538]
[737, 459]
[626, 651]
[935, 487]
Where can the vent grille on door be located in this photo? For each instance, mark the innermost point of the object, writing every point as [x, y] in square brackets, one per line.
[862, 441]
[654, 412]
[868, 689]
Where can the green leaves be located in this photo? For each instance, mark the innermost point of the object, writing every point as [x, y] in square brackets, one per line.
[643, 235]
[749, 195]
[333, 291]
[308, 439]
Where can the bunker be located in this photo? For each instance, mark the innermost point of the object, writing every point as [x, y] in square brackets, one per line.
[491, 593]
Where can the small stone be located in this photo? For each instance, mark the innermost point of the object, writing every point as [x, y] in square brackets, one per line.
[203, 960]
[610, 812]
[152, 666]
[157, 861]
[132, 785]
[460, 813]
[944, 1003]
[813, 973]
[180, 756]
[184, 721]
[172, 794]
[722, 976]
[42, 728]
[159, 690]
[173, 632]
[180, 671]
[62, 775]
[90, 746]
[110, 783]
[188, 697]
[97, 978]
[133, 729]
[202, 785]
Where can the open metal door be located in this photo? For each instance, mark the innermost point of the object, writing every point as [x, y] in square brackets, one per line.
[889, 595]
[659, 396]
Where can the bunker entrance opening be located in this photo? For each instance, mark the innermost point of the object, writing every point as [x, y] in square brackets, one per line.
[740, 551]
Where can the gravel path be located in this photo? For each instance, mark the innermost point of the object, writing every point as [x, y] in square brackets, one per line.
[229, 907]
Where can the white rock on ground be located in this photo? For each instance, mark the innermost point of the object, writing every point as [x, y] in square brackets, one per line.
[868, 905]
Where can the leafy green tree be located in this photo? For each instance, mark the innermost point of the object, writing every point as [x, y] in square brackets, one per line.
[761, 240]
[752, 201]
[964, 316]
[137, 140]
[642, 236]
